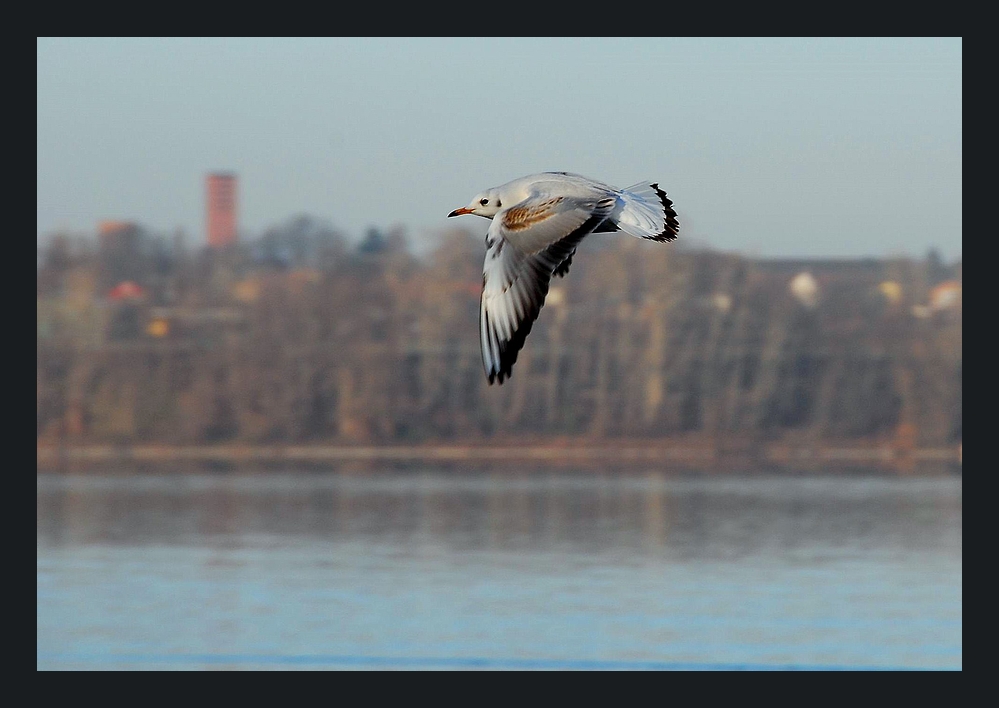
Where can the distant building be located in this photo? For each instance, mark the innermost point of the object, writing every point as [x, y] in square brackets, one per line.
[110, 231]
[127, 291]
[945, 295]
[110, 226]
[892, 291]
[805, 289]
[722, 301]
[221, 204]
[123, 253]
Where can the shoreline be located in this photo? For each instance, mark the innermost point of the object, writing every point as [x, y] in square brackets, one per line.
[890, 458]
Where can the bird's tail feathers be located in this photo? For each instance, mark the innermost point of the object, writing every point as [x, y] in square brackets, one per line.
[647, 213]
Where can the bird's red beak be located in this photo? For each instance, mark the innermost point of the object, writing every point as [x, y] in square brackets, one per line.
[459, 212]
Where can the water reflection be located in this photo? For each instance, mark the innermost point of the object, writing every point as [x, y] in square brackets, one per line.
[497, 567]
[507, 510]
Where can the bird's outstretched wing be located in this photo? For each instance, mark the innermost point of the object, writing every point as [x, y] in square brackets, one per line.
[525, 245]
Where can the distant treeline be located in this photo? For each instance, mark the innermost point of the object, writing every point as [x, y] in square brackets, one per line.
[301, 336]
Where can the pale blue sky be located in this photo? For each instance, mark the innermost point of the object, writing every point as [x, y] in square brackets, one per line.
[773, 147]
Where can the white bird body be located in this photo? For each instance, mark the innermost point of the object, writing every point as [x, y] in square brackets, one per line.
[537, 222]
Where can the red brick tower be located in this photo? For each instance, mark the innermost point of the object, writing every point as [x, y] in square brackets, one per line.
[221, 209]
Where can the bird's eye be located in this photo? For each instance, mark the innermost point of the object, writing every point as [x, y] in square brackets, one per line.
[483, 202]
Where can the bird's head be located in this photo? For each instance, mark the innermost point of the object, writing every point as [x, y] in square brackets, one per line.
[484, 204]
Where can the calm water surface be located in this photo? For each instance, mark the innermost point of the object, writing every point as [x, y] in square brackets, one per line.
[507, 570]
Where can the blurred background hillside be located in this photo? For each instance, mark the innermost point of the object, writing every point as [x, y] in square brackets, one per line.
[301, 335]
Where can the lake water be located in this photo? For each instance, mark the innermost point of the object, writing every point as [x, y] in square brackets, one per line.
[427, 569]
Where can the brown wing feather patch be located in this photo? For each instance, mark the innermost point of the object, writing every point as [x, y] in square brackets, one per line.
[520, 218]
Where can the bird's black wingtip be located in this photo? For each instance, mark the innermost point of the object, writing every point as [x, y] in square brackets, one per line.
[672, 225]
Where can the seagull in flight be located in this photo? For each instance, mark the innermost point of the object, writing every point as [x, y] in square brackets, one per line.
[537, 223]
